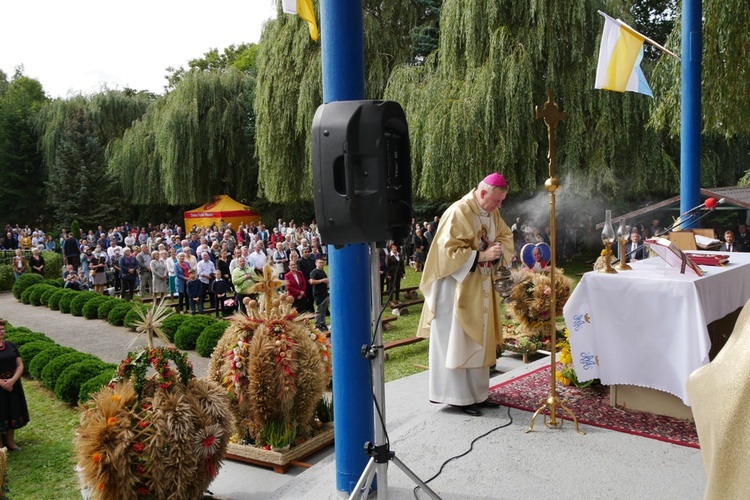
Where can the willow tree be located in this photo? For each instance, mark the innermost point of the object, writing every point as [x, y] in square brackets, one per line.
[725, 84]
[471, 106]
[111, 112]
[725, 92]
[193, 143]
[289, 90]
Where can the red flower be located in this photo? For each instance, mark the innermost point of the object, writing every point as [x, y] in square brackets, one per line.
[140, 469]
[146, 406]
[143, 424]
[165, 385]
[138, 447]
[209, 441]
[96, 457]
[143, 491]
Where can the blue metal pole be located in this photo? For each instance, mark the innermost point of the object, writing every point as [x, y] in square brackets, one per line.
[342, 48]
[690, 145]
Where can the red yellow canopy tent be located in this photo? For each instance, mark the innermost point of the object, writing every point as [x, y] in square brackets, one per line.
[221, 209]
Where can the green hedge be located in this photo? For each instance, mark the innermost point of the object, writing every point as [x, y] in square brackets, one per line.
[35, 298]
[117, 315]
[40, 360]
[106, 307]
[6, 277]
[30, 350]
[76, 306]
[67, 299]
[210, 337]
[132, 316]
[25, 281]
[58, 282]
[44, 299]
[26, 295]
[188, 333]
[171, 324]
[68, 384]
[54, 301]
[21, 337]
[54, 368]
[93, 385]
[91, 307]
[53, 262]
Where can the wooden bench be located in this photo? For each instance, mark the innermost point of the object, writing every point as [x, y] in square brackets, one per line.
[386, 322]
[401, 342]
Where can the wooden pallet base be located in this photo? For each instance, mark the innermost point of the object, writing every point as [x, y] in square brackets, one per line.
[281, 461]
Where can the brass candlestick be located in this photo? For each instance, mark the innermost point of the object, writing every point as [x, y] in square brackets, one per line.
[622, 239]
[608, 237]
[552, 117]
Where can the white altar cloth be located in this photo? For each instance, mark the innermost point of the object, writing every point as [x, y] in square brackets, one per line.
[648, 327]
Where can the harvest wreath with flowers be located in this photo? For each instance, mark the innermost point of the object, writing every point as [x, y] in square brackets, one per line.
[158, 436]
[530, 307]
[274, 366]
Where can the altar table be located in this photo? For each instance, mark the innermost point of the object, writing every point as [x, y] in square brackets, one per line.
[648, 327]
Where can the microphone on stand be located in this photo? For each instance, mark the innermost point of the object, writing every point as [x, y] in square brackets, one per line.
[709, 204]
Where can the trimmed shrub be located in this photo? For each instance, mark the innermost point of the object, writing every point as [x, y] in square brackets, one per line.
[26, 296]
[67, 299]
[24, 282]
[92, 385]
[171, 324]
[91, 308]
[188, 333]
[210, 337]
[29, 351]
[132, 316]
[35, 299]
[17, 329]
[107, 306]
[40, 360]
[21, 337]
[6, 277]
[76, 306]
[54, 300]
[53, 262]
[55, 367]
[69, 383]
[44, 299]
[56, 282]
[117, 315]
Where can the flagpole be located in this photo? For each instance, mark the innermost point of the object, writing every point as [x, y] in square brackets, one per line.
[645, 38]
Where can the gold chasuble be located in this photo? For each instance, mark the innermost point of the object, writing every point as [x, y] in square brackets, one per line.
[719, 392]
[463, 231]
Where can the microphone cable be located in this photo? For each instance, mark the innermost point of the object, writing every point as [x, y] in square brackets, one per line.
[471, 448]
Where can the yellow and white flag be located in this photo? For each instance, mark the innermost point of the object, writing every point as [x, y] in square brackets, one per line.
[304, 9]
[620, 56]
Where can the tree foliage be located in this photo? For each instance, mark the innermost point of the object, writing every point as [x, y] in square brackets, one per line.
[193, 143]
[79, 186]
[725, 73]
[240, 57]
[471, 106]
[289, 90]
[21, 173]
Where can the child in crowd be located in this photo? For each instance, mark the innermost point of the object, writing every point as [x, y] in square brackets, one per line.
[194, 292]
[219, 287]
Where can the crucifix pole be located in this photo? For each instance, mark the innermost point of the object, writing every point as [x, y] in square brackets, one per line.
[552, 116]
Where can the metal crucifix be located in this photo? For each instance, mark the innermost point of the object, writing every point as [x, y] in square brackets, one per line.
[552, 116]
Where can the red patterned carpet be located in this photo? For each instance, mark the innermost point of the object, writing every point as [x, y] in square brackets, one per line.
[591, 406]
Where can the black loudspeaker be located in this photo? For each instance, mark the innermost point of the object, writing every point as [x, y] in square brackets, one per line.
[361, 172]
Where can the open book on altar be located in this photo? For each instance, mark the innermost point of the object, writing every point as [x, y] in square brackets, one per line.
[673, 255]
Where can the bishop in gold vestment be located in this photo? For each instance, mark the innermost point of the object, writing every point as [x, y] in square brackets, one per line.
[461, 313]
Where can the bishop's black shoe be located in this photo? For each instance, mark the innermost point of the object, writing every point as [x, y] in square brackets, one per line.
[472, 410]
[489, 404]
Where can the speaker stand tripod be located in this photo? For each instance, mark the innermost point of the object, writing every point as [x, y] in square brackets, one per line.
[380, 452]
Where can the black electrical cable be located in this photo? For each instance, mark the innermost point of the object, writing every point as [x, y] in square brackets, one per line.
[471, 448]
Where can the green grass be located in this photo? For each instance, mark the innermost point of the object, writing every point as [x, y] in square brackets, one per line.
[44, 469]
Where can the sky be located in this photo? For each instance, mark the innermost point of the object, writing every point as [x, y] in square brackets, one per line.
[82, 45]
